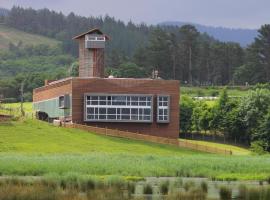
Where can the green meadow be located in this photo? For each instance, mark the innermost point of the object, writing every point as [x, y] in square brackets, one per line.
[35, 148]
[15, 36]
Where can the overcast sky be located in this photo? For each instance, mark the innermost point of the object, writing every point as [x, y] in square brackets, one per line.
[226, 13]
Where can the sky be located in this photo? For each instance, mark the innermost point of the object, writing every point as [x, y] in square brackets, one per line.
[226, 13]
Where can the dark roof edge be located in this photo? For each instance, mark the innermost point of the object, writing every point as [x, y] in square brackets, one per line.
[90, 31]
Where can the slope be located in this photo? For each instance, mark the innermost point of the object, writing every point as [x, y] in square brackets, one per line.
[35, 148]
[11, 35]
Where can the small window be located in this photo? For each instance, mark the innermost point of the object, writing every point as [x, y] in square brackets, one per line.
[163, 106]
[61, 101]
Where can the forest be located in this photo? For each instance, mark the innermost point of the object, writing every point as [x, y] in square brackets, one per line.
[194, 58]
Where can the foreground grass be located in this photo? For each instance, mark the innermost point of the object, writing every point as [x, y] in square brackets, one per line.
[235, 149]
[35, 148]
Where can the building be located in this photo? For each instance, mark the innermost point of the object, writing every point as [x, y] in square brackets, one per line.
[145, 106]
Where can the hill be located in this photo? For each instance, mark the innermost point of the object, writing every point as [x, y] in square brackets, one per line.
[242, 36]
[4, 12]
[10, 35]
[36, 148]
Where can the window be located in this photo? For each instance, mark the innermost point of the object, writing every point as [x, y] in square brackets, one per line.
[118, 108]
[61, 101]
[163, 112]
[95, 38]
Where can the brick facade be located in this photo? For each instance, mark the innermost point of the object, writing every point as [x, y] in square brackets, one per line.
[77, 87]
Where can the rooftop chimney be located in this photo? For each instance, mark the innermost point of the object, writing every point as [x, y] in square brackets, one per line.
[91, 53]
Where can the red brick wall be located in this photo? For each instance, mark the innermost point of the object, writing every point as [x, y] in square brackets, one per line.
[129, 86]
[79, 86]
[52, 91]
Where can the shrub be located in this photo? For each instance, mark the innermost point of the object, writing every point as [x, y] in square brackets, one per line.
[242, 192]
[225, 193]
[147, 189]
[194, 194]
[188, 185]
[268, 180]
[88, 184]
[214, 93]
[257, 147]
[164, 187]
[131, 188]
[178, 182]
[204, 186]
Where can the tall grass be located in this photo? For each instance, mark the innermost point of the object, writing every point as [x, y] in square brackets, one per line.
[33, 148]
[244, 168]
[225, 193]
[260, 193]
[71, 186]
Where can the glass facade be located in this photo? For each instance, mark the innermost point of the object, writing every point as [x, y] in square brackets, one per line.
[118, 108]
[163, 104]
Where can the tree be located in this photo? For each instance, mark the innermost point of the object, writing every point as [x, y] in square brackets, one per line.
[263, 132]
[252, 110]
[158, 52]
[258, 59]
[188, 45]
[205, 117]
[74, 69]
[186, 110]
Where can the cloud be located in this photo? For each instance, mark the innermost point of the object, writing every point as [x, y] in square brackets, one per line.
[228, 13]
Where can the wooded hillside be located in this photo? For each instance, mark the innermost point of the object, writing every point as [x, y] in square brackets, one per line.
[136, 49]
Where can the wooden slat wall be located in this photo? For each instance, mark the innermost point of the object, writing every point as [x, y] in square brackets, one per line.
[52, 91]
[129, 86]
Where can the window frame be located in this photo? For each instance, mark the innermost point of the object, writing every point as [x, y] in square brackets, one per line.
[163, 108]
[118, 107]
[95, 38]
[61, 102]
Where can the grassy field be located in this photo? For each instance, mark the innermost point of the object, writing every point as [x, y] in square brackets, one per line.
[8, 35]
[35, 148]
[212, 91]
[235, 149]
[14, 108]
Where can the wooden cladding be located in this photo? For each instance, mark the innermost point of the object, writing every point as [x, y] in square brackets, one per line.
[91, 61]
[78, 87]
[129, 86]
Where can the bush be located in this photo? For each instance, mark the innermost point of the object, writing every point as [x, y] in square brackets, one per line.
[188, 185]
[164, 187]
[204, 186]
[214, 93]
[225, 193]
[242, 192]
[257, 147]
[147, 189]
[131, 188]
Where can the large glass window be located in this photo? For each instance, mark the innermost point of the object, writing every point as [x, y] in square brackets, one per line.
[118, 108]
[163, 111]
